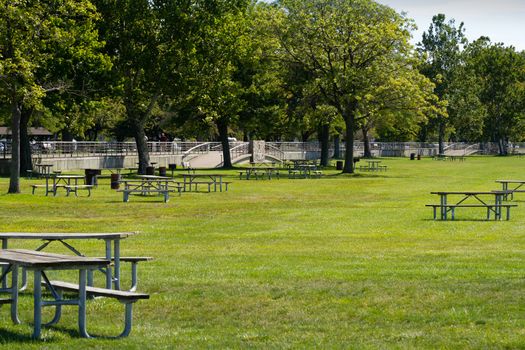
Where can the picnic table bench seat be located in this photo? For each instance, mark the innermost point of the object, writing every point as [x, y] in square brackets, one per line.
[489, 207]
[127, 192]
[125, 297]
[75, 188]
[134, 260]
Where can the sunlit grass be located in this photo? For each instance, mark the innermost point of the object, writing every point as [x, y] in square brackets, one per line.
[338, 262]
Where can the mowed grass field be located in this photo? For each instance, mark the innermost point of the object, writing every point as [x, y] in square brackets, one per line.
[353, 262]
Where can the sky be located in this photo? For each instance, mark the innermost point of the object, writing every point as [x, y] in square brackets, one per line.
[500, 20]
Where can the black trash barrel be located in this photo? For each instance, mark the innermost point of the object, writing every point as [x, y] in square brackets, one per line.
[172, 166]
[412, 156]
[339, 165]
[150, 170]
[419, 157]
[162, 171]
[91, 176]
[115, 178]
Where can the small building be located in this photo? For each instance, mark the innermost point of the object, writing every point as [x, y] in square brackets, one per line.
[38, 134]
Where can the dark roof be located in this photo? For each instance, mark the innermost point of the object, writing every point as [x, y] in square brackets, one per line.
[32, 131]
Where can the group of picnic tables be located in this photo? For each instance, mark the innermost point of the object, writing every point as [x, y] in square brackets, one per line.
[493, 202]
[16, 262]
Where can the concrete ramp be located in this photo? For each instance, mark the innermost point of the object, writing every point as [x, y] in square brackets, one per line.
[210, 160]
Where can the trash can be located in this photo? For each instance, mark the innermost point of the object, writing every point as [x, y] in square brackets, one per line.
[150, 170]
[91, 176]
[419, 157]
[339, 165]
[115, 178]
[162, 171]
[412, 156]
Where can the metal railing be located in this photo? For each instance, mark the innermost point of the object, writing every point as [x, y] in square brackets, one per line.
[280, 150]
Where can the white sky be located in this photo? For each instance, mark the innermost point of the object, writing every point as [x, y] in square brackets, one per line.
[501, 20]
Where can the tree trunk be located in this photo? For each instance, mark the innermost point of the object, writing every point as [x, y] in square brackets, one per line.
[26, 162]
[222, 126]
[349, 155]
[142, 147]
[366, 142]
[14, 180]
[325, 139]
[337, 148]
[441, 137]
[502, 145]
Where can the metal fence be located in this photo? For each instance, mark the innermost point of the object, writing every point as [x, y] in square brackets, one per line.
[61, 149]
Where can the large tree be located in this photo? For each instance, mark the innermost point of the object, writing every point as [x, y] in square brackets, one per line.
[32, 35]
[343, 44]
[441, 48]
[501, 71]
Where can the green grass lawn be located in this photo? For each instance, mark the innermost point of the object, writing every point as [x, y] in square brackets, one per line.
[338, 262]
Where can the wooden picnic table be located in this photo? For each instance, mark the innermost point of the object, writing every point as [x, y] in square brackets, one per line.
[112, 251]
[191, 179]
[490, 200]
[39, 262]
[516, 187]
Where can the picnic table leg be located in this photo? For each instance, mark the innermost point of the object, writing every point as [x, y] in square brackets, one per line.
[14, 295]
[109, 276]
[82, 304]
[37, 299]
[116, 257]
[4, 268]
[443, 207]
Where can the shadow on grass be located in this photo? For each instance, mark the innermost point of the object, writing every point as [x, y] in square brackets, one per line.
[465, 220]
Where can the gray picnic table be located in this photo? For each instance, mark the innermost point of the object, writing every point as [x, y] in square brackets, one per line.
[39, 262]
[112, 251]
[492, 201]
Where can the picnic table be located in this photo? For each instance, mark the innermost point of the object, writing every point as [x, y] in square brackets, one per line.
[492, 201]
[112, 249]
[373, 165]
[150, 184]
[214, 180]
[259, 172]
[70, 183]
[44, 170]
[516, 186]
[40, 262]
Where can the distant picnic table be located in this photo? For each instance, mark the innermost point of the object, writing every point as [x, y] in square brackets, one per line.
[259, 172]
[192, 181]
[150, 185]
[373, 165]
[516, 186]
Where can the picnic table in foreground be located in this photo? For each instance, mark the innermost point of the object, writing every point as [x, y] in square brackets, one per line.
[40, 262]
[112, 251]
[492, 201]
